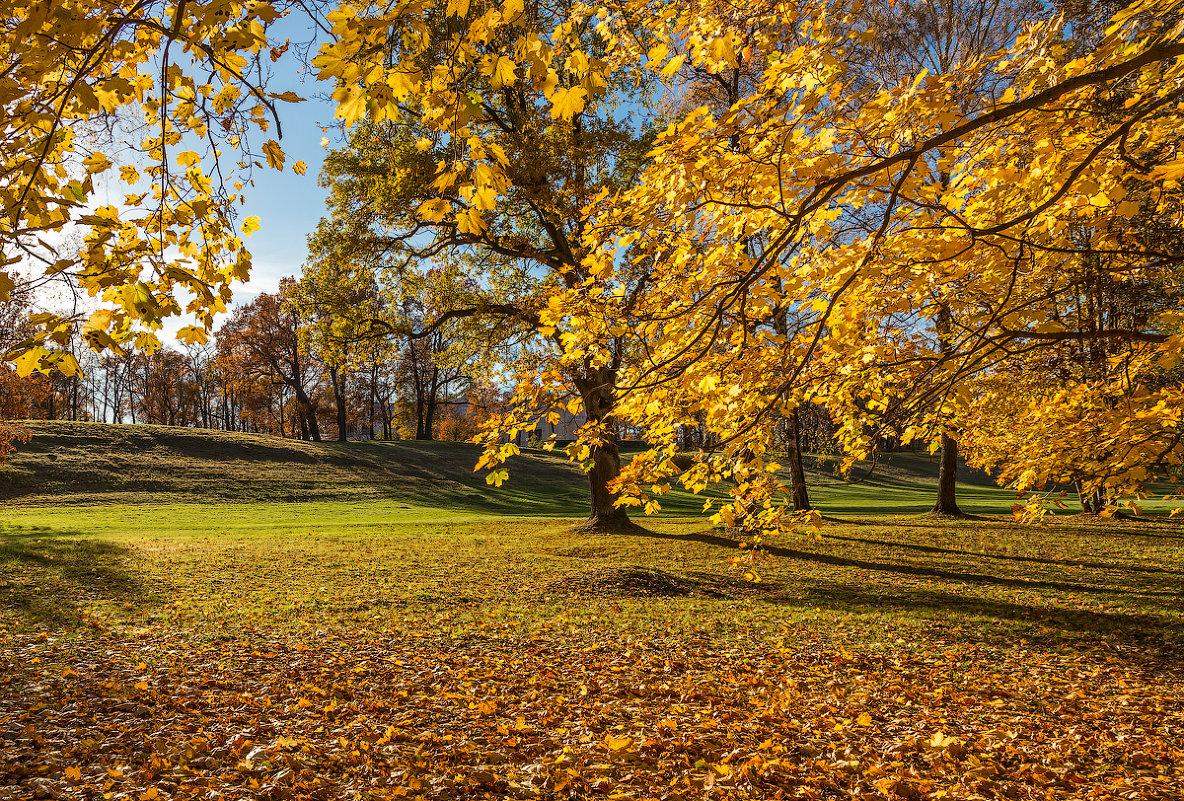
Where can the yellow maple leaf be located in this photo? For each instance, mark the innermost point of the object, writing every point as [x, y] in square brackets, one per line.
[942, 740]
[300, 168]
[433, 210]
[97, 162]
[617, 743]
[274, 153]
[351, 104]
[191, 334]
[29, 361]
[470, 221]
[501, 72]
[673, 65]
[720, 49]
[567, 103]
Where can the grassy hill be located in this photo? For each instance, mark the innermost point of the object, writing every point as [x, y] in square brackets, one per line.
[104, 463]
[131, 463]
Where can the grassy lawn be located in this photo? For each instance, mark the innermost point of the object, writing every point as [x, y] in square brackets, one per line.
[360, 645]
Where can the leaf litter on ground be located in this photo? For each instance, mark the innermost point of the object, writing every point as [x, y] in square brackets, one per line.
[574, 712]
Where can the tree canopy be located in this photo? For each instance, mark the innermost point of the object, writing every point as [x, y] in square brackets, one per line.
[974, 239]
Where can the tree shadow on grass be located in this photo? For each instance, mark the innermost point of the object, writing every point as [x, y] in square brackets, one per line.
[1142, 636]
[934, 549]
[48, 576]
[918, 571]
[965, 597]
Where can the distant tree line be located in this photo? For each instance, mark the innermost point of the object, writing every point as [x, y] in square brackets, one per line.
[264, 373]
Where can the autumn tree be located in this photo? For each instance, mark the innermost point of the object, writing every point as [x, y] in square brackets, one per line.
[19, 396]
[1025, 168]
[338, 300]
[261, 341]
[931, 37]
[491, 129]
[168, 99]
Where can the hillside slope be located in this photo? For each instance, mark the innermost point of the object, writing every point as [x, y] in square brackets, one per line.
[126, 463]
[105, 463]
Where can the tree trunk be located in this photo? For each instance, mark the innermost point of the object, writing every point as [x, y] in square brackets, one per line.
[606, 466]
[597, 393]
[1092, 502]
[337, 378]
[430, 406]
[947, 478]
[797, 472]
[308, 413]
[419, 414]
[301, 424]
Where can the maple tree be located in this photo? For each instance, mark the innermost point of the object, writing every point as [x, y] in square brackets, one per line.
[378, 315]
[841, 180]
[261, 341]
[485, 131]
[17, 397]
[167, 100]
[804, 234]
[437, 366]
[934, 38]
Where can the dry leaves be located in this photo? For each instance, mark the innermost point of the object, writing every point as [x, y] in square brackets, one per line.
[571, 713]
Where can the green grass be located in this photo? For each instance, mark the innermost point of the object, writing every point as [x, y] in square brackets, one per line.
[209, 611]
[398, 523]
[294, 565]
[100, 463]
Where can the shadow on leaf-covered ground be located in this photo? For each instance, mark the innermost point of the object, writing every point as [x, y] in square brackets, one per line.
[49, 577]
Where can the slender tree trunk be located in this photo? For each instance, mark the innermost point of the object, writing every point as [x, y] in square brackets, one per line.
[947, 478]
[430, 406]
[283, 433]
[370, 418]
[797, 472]
[337, 378]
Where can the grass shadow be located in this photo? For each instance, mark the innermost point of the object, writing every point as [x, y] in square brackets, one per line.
[1147, 637]
[934, 549]
[48, 576]
[914, 570]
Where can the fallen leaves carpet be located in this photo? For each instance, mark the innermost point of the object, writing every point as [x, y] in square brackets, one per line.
[577, 713]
